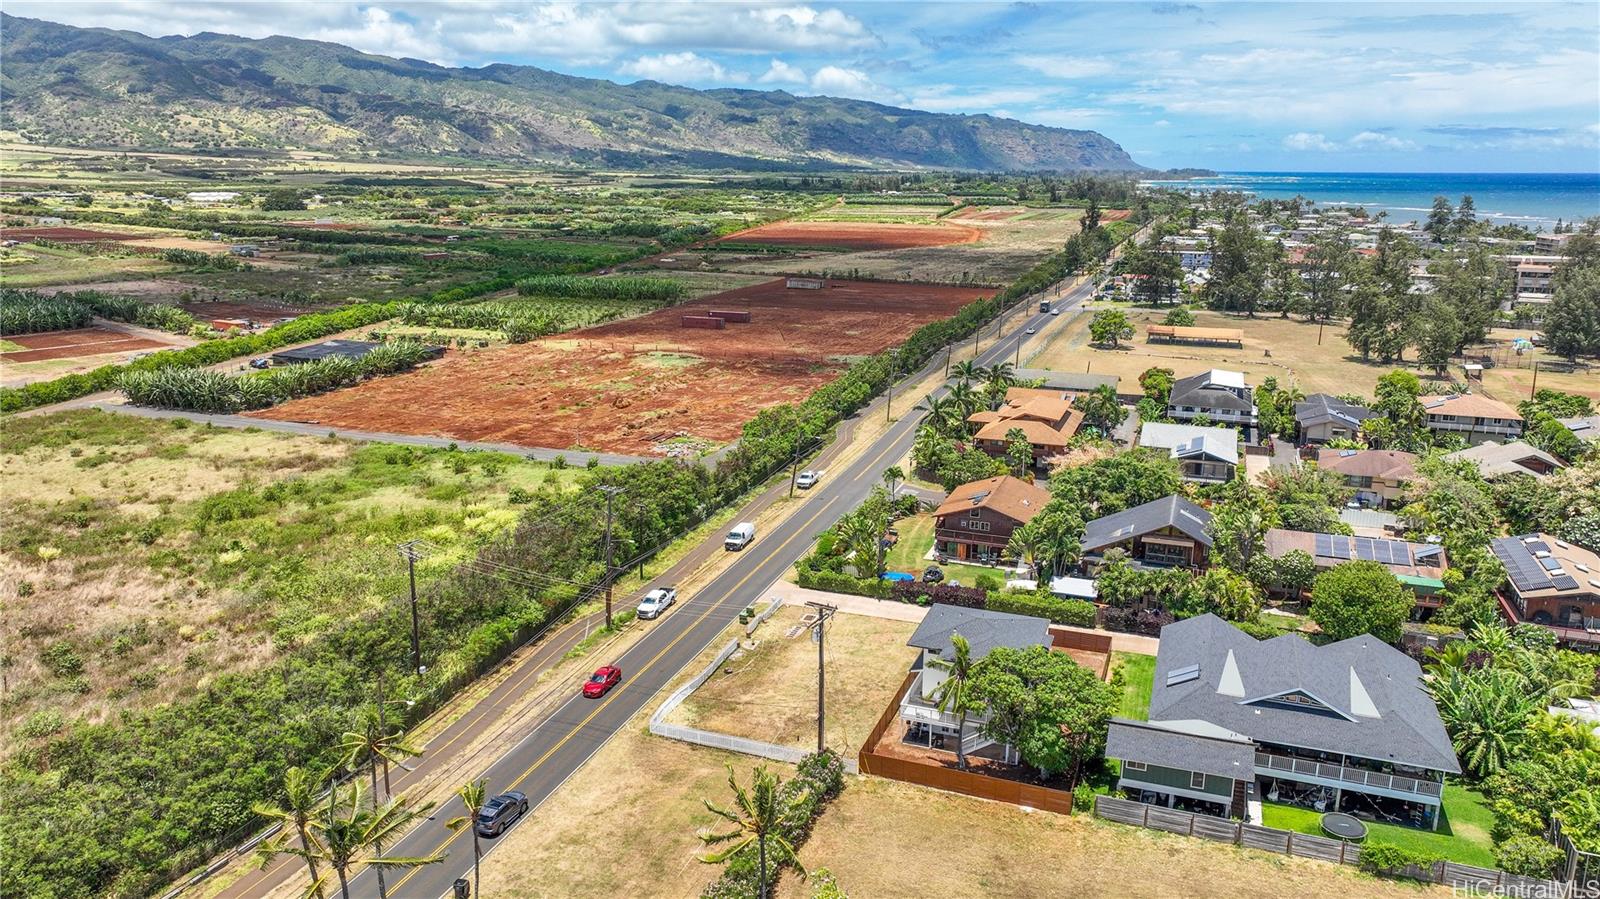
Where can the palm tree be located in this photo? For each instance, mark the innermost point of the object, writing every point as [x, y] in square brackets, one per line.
[760, 817]
[372, 745]
[300, 804]
[473, 796]
[968, 370]
[1000, 374]
[965, 398]
[940, 412]
[862, 537]
[351, 833]
[954, 692]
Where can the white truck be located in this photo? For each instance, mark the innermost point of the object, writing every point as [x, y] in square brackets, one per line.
[740, 536]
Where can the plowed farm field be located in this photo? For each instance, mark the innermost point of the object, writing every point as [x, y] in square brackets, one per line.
[856, 235]
[643, 385]
[75, 343]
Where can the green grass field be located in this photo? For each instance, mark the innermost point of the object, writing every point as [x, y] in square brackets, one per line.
[1138, 673]
[910, 552]
[1463, 836]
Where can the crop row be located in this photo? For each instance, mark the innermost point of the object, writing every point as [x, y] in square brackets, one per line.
[520, 321]
[639, 290]
[29, 312]
[204, 390]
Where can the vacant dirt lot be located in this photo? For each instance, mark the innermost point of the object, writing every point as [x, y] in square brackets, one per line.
[1009, 240]
[1286, 349]
[771, 692]
[856, 235]
[632, 386]
[75, 343]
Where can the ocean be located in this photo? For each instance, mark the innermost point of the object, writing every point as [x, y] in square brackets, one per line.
[1532, 200]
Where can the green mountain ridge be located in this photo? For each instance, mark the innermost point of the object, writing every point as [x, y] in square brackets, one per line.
[96, 87]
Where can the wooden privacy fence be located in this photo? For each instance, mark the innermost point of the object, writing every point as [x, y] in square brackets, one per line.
[967, 783]
[1301, 845]
[1061, 638]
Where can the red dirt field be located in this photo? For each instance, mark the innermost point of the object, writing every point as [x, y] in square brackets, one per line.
[66, 235]
[78, 342]
[264, 311]
[627, 386]
[1115, 215]
[856, 235]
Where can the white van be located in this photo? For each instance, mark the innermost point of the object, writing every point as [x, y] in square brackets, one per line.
[740, 536]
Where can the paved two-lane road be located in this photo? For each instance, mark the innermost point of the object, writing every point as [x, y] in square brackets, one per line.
[559, 745]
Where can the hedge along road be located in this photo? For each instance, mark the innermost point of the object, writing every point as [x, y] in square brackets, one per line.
[559, 745]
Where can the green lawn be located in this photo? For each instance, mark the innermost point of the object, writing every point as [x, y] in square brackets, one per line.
[910, 551]
[1138, 672]
[1463, 835]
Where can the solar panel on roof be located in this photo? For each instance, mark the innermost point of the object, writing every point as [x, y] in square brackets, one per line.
[1564, 582]
[1539, 546]
[1324, 545]
[1550, 564]
[1364, 549]
[1341, 547]
[1183, 675]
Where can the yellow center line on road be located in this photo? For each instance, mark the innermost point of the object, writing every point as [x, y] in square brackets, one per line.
[711, 607]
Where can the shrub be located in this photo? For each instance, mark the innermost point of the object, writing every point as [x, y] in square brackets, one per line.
[42, 723]
[1074, 612]
[1391, 860]
[61, 659]
[1528, 855]
[923, 594]
[1148, 622]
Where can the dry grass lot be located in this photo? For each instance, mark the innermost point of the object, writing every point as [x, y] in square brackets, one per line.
[887, 839]
[1333, 367]
[771, 693]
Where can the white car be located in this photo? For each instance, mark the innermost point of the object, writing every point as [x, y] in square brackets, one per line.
[1055, 311]
[806, 480]
[656, 601]
[1031, 331]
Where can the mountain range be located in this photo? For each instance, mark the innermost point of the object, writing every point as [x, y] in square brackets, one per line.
[96, 87]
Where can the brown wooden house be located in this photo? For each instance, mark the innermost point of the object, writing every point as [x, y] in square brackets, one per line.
[977, 520]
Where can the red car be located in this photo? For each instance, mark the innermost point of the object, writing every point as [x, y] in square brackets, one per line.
[603, 679]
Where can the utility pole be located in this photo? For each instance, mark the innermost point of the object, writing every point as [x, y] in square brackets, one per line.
[409, 550]
[1535, 385]
[947, 352]
[824, 612]
[888, 392]
[610, 491]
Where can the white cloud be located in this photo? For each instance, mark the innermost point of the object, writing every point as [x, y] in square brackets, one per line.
[780, 72]
[1066, 66]
[836, 81]
[947, 98]
[1064, 117]
[1309, 141]
[1374, 140]
[678, 68]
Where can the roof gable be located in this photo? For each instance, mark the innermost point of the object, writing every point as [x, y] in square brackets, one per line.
[1170, 511]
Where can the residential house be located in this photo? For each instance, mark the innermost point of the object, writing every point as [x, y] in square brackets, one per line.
[1343, 727]
[1044, 416]
[1472, 417]
[1220, 396]
[1170, 532]
[1205, 455]
[1585, 428]
[1551, 583]
[1420, 566]
[977, 520]
[1321, 418]
[984, 631]
[1378, 476]
[1496, 460]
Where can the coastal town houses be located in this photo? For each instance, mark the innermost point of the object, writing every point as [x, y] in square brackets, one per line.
[1217, 397]
[1204, 455]
[1419, 566]
[1170, 532]
[1044, 416]
[976, 521]
[984, 631]
[1497, 460]
[1321, 418]
[1234, 721]
[1379, 477]
[1551, 583]
[1472, 417]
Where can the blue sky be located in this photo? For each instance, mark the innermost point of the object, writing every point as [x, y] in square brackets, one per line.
[1231, 86]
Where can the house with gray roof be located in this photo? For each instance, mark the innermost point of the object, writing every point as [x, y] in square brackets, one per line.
[1220, 396]
[1496, 460]
[1342, 727]
[1322, 417]
[984, 632]
[1205, 455]
[1586, 428]
[1170, 532]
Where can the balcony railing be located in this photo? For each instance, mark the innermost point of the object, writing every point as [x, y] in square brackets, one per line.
[1268, 763]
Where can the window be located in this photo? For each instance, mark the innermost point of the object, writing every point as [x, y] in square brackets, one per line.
[1197, 780]
[1134, 766]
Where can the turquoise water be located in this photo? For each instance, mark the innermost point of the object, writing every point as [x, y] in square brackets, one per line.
[1524, 198]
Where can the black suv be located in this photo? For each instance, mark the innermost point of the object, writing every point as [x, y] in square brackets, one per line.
[498, 813]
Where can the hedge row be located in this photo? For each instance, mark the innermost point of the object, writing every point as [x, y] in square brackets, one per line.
[1074, 612]
[205, 390]
[304, 328]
